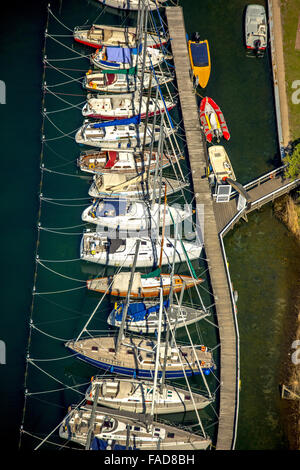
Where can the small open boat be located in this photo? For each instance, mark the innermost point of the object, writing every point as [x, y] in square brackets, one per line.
[256, 28]
[120, 83]
[131, 215]
[123, 106]
[220, 163]
[127, 163]
[136, 356]
[102, 35]
[112, 185]
[200, 60]
[137, 395]
[144, 285]
[143, 317]
[212, 120]
[96, 247]
[109, 429]
[124, 58]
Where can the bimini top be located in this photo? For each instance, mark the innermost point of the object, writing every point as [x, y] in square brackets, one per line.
[137, 311]
[199, 54]
[110, 208]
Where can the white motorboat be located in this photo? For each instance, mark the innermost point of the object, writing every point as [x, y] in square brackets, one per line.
[130, 215]
[123, 106]
[98, 248]
[220, 164]
[256, 28]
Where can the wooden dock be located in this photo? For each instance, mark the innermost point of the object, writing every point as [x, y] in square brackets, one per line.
[219, 281]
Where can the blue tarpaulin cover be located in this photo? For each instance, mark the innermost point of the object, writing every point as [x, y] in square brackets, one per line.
[199, 54]
[101, 444]
[118, 122]
[137, 311]
[119, 54]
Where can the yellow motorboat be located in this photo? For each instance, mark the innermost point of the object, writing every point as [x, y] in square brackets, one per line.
[200, 60]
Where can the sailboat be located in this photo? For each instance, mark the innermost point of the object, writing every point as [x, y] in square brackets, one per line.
[121, 430]
[99, 35]
[130, 215]
[96, 247]
[132, 4]
[116, 82]
[136, 356]
[124, 58]
[143, 317]
[127, 163]
[123, 106]
[136, 188]
[144, 285]
[136, 396]
[110, 135]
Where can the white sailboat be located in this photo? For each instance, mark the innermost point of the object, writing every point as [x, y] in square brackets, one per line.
[126, 137]
[124, 58]
[123, 106]
[119, 186]
[136, 396]
[121, 83]
[99, 35]
[131, 215]
[127, 430]
[96, 247]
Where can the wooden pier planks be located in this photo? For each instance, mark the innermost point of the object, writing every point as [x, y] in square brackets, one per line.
[218, 278]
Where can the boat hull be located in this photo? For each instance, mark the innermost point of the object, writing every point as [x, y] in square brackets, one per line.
[206, 104]
[139, 373]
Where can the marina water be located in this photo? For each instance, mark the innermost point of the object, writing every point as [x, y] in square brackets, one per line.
[263, 256]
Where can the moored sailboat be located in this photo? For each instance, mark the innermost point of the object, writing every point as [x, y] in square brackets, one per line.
[136, 188]
[136, 357]
[143, 317]
[126, 430]
[137, 395]
[96, 247]
[131, 215]
[123, 106]
[144, 285]
[102, 35]
[127, 163]
[116, 82]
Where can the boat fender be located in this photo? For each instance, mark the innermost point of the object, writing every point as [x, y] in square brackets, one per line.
[203, 348]
[207, 372]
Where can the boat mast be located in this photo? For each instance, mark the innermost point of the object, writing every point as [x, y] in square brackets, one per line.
[124, 315]
[157, 351]
[163, 377]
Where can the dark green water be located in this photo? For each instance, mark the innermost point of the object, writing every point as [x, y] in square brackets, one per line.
[249, 113]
